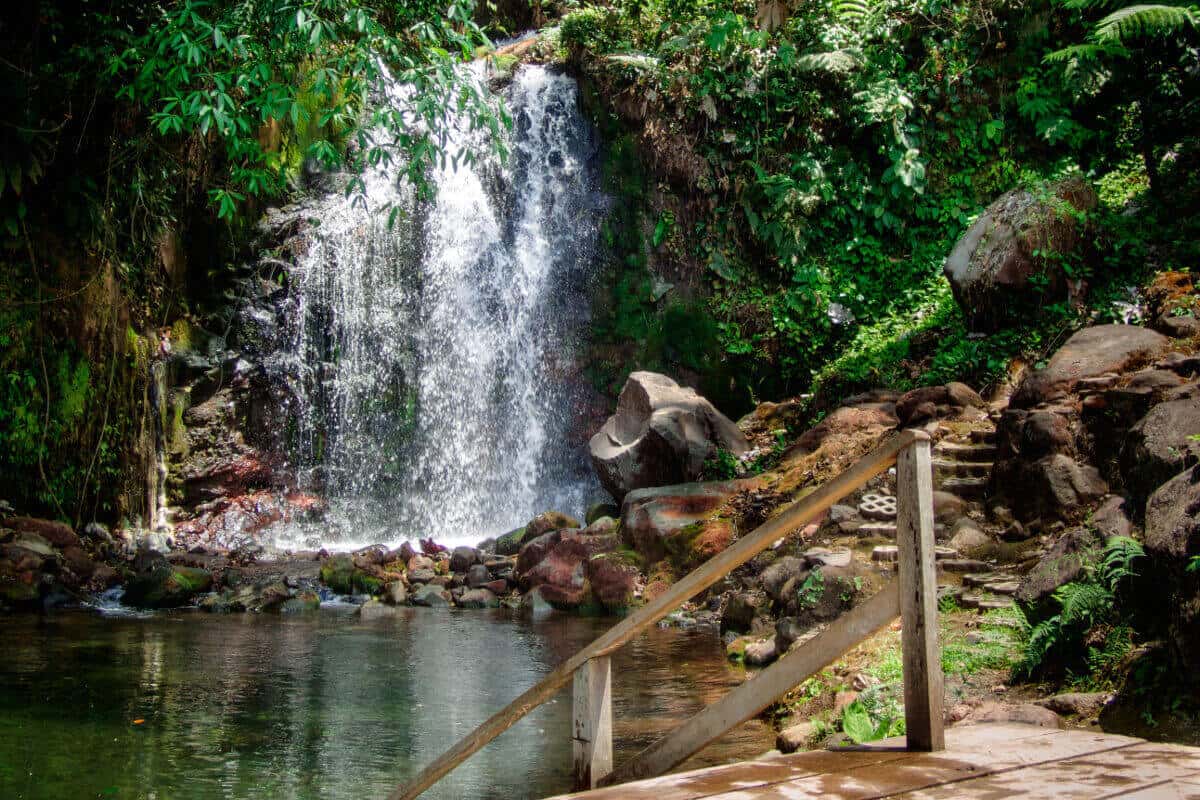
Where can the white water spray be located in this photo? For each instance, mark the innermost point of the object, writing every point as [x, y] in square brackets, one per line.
[431, 359]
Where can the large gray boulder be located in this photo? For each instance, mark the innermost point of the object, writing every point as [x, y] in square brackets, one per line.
[1158, 447]
[660, 435]
[1009, 259]
[1089, 353]
[1172, 540]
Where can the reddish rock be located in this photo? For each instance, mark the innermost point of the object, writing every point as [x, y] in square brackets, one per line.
[534, 551]
[921, 404]
[1024, 713]
[79, 562]
[1090, 353]
[420, 562]
[497, 587]
[847, 420]
[58, 534]
[675, 519]
[613, 580]
[548, 521]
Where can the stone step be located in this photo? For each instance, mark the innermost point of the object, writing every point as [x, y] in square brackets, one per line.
[966, 488]
[983, 601]
[888, 529]
[983, 436]
[962, 565]
[965, 469]
[965, 452]
[890, 552]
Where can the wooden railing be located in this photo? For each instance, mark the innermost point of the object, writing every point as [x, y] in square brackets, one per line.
[912, 596]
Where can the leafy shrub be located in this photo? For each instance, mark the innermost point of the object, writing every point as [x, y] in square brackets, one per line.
[1087, 636]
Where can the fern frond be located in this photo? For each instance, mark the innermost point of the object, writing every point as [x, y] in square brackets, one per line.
[1088, 5]
[1084, 53]
[1144, 21]
[851, 12]
[836, 61]
[1083, 603]
[1119, 554]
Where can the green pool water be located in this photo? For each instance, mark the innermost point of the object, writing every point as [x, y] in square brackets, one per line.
[320, 706]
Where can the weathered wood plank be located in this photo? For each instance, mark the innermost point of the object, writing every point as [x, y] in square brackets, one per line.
[1109, 773]
[973, 750]
[591, 744]
[747, 700]
[918, 599]
[795, 516]
[955, 773]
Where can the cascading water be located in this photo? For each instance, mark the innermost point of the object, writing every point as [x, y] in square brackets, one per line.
[430, 359]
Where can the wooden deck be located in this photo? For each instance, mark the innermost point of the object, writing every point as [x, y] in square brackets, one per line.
[997, 762]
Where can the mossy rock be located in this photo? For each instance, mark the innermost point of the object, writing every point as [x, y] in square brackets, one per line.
[168, 586]
[341, 575]
[510, 543]
[600, 510]
[304, 602]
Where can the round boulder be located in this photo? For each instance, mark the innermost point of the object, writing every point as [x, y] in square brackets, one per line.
[661, 434]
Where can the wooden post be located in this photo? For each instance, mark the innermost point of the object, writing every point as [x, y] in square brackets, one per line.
[592, 723]
[752, 697]
[918, 598]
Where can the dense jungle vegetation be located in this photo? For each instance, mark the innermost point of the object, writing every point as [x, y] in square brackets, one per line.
[791, 176]
[140, 142]
[816, 162]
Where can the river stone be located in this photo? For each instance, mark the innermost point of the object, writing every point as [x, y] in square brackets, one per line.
[1085, 705]
[301, 603]
[421, 576]
[661, 434]
[776, 577]
[341, 574]
[462, 558]
[967, 538]
[760, 652]
[510, 543]
[1008, 260]
[1089, 353]
[739, 612]
[600, 510]
[478, 598]
[420, 562]
[546, 522]
[1024, 713]
[795, 737]
[431, 595]
[613, 580]
[478, 575]
[395, 593]
[375, 609]
[34, 544]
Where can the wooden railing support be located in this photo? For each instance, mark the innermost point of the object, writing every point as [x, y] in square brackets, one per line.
[791, 519]
[749, 699]
[591, 724]
[918, 598]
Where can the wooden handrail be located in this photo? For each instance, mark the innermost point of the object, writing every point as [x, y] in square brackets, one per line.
[798, 514]
[746, 701]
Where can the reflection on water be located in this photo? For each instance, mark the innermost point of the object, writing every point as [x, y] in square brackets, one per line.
[259, 706]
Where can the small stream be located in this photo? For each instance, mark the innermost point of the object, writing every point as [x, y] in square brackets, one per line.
[323, 705]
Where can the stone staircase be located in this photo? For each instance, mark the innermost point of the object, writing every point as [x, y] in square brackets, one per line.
[962, 464]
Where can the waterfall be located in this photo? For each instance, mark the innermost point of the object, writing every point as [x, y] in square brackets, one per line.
[430, 347]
